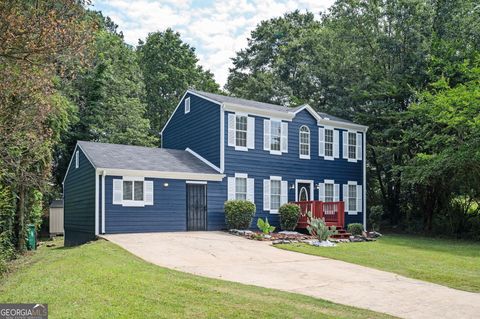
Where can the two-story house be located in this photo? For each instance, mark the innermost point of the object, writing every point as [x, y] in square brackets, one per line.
[216, 148]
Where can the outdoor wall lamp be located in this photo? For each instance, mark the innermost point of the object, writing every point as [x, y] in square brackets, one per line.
[292, 186]
[165, 184]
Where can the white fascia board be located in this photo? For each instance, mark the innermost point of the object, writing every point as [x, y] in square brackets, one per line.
[286, 116]
[160, 174]
[203, 159]
[310, 110]
[180, 102]
[343, 125]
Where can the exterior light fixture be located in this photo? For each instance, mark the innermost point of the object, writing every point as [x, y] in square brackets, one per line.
[165, 184]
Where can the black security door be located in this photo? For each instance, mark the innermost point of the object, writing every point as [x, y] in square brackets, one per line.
[196, 207]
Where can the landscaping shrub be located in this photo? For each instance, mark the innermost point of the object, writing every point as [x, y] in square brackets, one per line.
[289, 214]
[317, 227]
[265, 226]
[239, 214]
[375, 217]
[355, 229]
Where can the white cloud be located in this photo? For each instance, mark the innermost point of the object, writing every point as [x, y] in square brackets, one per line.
[217, 29]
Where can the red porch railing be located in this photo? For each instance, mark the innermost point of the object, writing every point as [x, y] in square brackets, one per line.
[332, 212]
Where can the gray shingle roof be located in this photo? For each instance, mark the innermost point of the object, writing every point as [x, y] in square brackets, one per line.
[117, 156]
[56, 203]
[260, 105]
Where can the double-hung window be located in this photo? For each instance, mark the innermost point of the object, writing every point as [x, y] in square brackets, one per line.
[352, 197]
[352, 145]
[241, 188]
[241, 131]
[304, 142]
[328, 143]
[275, 135]
[329, 195]
[275, 194]
[329, 191]
[241, 126]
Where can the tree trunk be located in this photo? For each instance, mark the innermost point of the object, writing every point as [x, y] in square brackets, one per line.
[21, 219]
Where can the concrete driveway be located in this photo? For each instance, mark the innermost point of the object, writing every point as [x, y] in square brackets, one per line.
[228, 257]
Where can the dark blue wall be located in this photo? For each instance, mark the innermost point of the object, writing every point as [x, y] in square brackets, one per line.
[79, 202]
[168, 212]
[199, 129]
[260, 164]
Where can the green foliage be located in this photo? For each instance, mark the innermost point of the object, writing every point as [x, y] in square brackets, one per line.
[169, 67]
[317, 227]
[289, 214]
[265, 226]
[239, 214]
[355, 229]
[375, 217]
[36, 209]
[7, 219]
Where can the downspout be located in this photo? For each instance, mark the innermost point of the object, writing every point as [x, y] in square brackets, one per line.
[365, 180]
[103, 201]
[96, 202]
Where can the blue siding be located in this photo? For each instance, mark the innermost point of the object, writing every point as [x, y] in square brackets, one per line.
[168, 212]
[79, 199]
[199, 129]
[260, 164]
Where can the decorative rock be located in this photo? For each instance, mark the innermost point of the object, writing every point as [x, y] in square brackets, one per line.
[325, 243]
[289, 233]
[374, 234]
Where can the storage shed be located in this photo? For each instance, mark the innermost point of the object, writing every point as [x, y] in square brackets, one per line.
[56, 217]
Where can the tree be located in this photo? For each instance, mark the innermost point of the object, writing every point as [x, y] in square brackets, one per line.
[38, 41]
[169, 67]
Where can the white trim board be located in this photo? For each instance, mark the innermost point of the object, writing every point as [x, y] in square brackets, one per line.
[200, 157]
[166, 175]
[309, 181]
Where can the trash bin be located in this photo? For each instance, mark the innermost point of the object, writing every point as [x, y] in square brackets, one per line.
[31, 238]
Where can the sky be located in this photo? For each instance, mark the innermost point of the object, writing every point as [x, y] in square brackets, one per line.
[216, 29]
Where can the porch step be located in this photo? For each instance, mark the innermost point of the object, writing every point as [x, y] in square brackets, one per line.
[341, 234]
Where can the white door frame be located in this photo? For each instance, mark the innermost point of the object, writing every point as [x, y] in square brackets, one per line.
[306, 181]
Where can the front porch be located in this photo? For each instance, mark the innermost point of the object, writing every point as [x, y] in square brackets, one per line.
[332, 212]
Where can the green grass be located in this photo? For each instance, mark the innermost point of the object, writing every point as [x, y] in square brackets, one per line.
[446, 262]
[101, 280]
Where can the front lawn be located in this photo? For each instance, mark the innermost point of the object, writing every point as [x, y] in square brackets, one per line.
[446, 262]
[101, 280]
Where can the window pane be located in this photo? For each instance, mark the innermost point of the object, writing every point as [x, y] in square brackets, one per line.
[127, 190]
[352, 197]
[241, 188]
[304, 141]
[275, 131]
[328, 142]
[241, 131]
[352, 145]
[275, 189]
[138, 191]
[329, 192]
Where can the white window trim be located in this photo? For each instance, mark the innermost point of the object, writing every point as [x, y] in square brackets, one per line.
[329, 158]
[77, 159]
[330, 182]
[276, 178]
[133, 203]
[352, 160]
[355, 212]
[303, 156]
[300, 181]
[241, 148]
[275, 152]
[187, 105]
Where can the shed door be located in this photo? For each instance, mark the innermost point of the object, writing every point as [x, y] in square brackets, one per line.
[196, 207]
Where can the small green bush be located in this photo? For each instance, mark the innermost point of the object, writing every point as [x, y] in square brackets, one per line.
[355, 229]
[289, 214]
[265, 226]
[239, 214]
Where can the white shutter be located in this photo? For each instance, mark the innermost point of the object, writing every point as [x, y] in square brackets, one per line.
[321, 141]
[231, 129]
[251, 190]
[266, 194]
[231, 188]
[359, 198]
[345, 145]
[345, 196]
[321, 192]
[336, 192]
[266, 135]
[336, 141]
[284, 193]
[117, 191]
[148, 189]
[251, 132]
[359, 147]
[284, 138]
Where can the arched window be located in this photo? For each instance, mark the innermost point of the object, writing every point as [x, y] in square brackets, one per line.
[304, 142]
